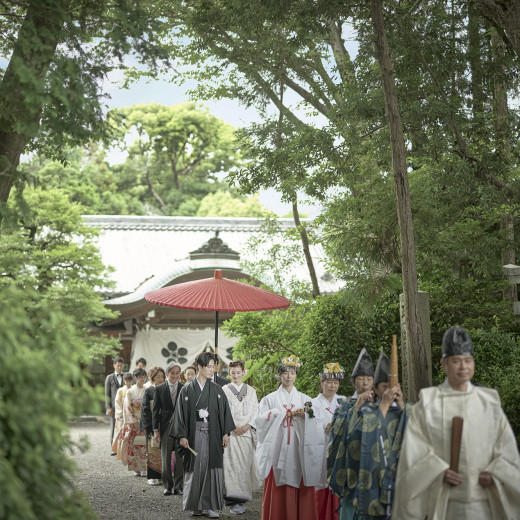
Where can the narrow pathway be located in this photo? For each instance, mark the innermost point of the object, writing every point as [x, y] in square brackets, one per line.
[115, 494]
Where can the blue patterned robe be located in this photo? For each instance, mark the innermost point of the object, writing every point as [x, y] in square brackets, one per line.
[362, 458]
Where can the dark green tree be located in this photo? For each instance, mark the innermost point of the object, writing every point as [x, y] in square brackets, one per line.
[450, 87]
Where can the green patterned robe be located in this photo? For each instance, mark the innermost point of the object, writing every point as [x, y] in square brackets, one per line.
[362, 458]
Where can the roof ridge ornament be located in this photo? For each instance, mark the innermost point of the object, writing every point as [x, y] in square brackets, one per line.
[214, 247]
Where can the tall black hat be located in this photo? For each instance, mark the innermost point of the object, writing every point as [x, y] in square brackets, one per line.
[456, 342]
[382, 369]
[364, 365]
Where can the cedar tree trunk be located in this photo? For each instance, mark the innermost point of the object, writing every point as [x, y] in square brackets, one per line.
[404, 210]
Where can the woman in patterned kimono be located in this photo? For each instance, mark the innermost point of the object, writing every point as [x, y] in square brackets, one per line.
[133, 452]
[156, 376]
[289, 454]
[240, 474]
[324, 406]
[128, 380]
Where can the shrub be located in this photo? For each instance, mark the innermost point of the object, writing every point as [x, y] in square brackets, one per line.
[41, 387]
[336, 330]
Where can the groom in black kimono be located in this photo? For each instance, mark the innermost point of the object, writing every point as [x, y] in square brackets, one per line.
[203, 423]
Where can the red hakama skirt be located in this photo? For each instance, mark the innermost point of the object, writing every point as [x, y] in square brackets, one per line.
[284, 502]
[328, 502]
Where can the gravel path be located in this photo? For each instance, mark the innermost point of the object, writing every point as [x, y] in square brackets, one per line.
[115, 493]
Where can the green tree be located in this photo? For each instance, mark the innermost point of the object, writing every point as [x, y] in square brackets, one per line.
[223, 204]
[46, 247]
[330, 328]
[447, 77]
[87, 179]
[58, 52]
[505, 16]
[180, 151]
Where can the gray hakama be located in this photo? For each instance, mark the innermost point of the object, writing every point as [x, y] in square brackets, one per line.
[203, 487]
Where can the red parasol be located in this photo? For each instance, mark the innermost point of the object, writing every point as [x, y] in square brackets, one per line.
[217, 294]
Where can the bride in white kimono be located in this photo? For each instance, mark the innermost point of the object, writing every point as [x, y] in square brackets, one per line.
[290, 449]
[240, 474]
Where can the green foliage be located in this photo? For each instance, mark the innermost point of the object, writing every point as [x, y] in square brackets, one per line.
[289, 62]
[175, 160]
[177, 154]
[265, 338]
[88, 180]
[223, 204]
[45, 246]
[36, 474]
[337, 329]
[329, 329]
[272, 253]
[261, 373]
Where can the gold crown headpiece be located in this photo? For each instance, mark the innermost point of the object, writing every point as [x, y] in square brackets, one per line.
[332, 370]
[291, 362]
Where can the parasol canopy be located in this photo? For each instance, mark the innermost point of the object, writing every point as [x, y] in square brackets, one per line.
[217, 294]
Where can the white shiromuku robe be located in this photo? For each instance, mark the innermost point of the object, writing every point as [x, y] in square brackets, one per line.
[292, 449]
[488, 444]
[324, 412]
[240, 473]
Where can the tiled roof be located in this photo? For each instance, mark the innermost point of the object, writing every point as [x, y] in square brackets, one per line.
[148, 252]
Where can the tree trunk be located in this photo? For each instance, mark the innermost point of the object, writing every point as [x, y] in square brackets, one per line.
[306, 249]
[22, 86]
[156, 196]
[501, 123]
[404, 211]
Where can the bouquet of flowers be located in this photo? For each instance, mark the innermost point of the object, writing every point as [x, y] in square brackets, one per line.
[306, 409]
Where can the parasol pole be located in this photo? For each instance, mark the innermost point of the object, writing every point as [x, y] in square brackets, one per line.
[216, 332]
[218, 275]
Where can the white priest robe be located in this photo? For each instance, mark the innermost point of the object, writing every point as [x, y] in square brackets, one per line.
[324, 411]
[240, 473]
[292, 449]
[488, 444]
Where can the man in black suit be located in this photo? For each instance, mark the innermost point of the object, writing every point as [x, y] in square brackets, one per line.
[166, 396]
[222, 381]
[113, 383]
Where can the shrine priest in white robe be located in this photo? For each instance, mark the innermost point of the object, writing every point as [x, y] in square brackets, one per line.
[290, 449]
[487, 483]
